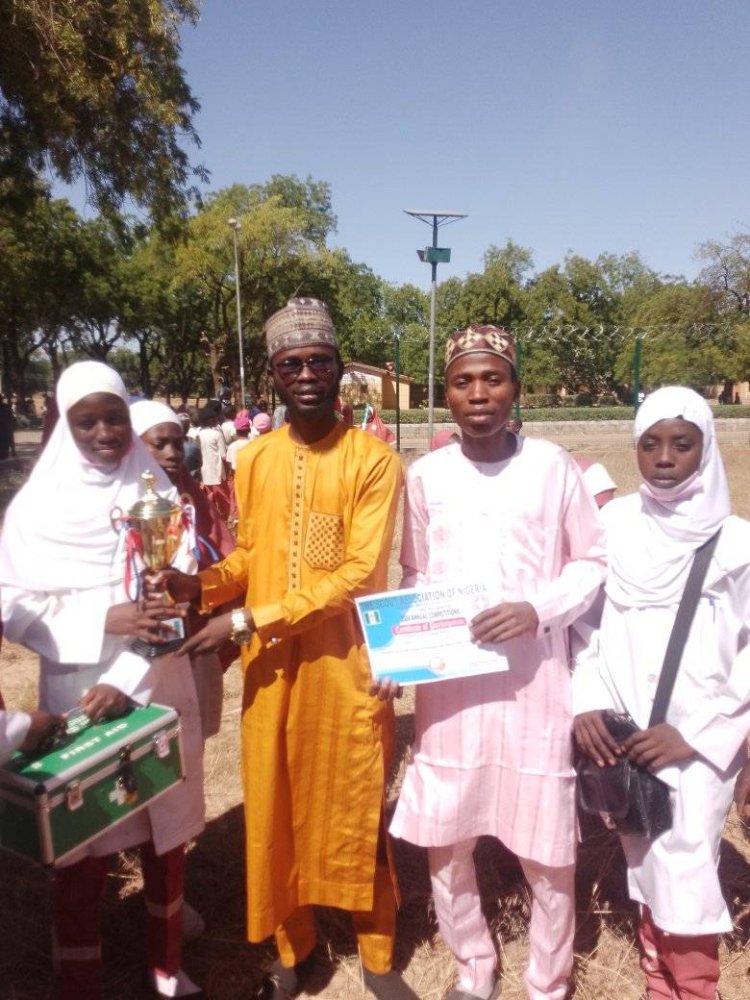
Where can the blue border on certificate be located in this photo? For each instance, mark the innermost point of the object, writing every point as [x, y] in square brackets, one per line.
[421, 634]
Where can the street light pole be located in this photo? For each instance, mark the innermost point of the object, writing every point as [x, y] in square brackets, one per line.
[433, 255]
[236, 225]
[397, 334]
[431, 357]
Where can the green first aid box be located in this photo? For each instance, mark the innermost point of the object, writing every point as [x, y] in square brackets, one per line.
[54, 803]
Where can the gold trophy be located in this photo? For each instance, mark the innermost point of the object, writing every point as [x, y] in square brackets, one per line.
[155, 527]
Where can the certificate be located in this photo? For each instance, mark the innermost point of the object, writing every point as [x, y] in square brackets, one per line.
[421, 634]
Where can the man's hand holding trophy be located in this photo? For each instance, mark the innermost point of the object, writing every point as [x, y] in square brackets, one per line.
[155, 528]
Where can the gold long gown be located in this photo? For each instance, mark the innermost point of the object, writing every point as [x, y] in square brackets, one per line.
[315, 530]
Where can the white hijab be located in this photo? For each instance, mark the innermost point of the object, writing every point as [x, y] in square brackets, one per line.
[58, 533]
[650, 558]
[147, 413]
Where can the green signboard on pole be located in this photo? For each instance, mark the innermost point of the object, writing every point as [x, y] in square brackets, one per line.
[437, 255]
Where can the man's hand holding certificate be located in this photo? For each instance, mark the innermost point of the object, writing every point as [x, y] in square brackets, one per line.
[505, 621]
[435, 633]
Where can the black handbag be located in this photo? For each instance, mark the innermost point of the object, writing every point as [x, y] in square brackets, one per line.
[636, 800]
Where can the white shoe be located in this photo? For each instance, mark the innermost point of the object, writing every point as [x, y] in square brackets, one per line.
[459, 994]
[177, 986]
[193, 924]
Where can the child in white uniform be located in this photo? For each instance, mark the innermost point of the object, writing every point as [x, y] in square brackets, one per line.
[652, 536]
[62, 567]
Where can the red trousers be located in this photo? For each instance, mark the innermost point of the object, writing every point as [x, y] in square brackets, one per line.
[677, 966]
[77, 894]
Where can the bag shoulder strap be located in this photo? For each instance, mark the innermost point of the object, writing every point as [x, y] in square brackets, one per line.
[681, 628]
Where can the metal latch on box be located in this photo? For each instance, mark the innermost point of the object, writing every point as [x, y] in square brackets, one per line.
[126, 785]
[161, 745]
[74, 796]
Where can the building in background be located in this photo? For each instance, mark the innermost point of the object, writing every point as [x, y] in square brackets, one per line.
[363, 383]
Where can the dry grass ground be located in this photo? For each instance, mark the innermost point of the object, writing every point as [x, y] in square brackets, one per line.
[230, 969]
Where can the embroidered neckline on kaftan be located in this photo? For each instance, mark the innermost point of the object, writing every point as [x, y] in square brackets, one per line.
[488, 469]
[295, 528]
[321, 443]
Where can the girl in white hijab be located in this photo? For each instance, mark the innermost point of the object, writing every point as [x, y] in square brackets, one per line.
[652, 536]
[160, 429]
[62, 569]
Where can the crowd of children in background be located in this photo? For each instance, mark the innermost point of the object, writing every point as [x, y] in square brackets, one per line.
[215, 433]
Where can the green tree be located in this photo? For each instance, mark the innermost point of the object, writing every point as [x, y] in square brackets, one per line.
[282, 252]
[95, 91]
[574, 322]
[183, 364]
[631, 281]
[678, 329]
[548, 306]
[355, 296]
[727, 273]
[165, 319]
[125, 362]
[493, 295]
[278, 257]
[144, 288]
[407, 315]
[39, 284]
[102, 291]
[313, 198]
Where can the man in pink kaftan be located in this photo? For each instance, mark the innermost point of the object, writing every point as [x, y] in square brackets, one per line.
[493, 753]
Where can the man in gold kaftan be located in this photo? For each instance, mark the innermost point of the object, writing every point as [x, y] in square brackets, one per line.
[316, 503]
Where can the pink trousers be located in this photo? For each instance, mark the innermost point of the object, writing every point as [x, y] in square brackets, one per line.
[678, 967]
[465, 931]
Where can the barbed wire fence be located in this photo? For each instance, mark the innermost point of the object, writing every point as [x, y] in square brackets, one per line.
[602, 357]
[597, 358]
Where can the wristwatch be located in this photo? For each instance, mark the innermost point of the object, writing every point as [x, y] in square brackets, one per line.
[240, 633]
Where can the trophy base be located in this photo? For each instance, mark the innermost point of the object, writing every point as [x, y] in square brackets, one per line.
[153, 649]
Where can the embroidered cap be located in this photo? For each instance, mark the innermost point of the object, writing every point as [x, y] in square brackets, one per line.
[299, 323]
[484, 339]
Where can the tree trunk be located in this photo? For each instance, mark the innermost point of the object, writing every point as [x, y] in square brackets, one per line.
[214, 355]
[14, 368]
[727, 393]
[143, 364]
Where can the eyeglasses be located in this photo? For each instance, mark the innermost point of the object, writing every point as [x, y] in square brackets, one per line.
[290, 369]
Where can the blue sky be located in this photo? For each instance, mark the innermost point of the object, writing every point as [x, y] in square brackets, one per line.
[613, 125]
